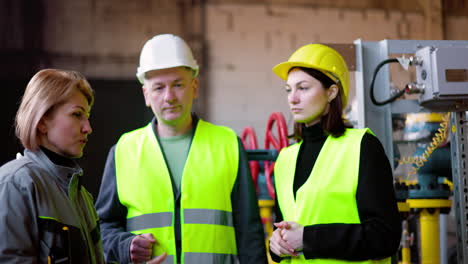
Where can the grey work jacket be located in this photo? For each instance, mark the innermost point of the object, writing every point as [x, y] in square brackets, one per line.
[46, 216]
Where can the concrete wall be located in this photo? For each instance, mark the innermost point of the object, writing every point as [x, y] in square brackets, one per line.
[103, 38]
[246, 41]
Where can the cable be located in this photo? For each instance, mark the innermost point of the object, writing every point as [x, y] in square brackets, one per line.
[439, 137]
[391, 99]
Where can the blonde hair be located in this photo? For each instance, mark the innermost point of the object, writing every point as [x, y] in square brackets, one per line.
[47, 89]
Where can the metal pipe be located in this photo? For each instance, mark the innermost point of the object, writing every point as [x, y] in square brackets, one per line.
[443, 238]
[429, 234]
[406, 243]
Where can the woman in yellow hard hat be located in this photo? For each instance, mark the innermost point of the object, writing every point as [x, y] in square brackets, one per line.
[335, 198]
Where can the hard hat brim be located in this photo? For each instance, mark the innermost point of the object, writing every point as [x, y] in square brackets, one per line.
[141, 72]
[282, 69]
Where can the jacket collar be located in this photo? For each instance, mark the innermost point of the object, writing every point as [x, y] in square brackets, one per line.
[62, 173]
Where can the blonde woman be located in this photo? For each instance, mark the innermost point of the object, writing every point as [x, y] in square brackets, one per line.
[46, 216]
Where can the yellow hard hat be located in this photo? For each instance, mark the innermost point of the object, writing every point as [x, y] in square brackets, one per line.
[319, 57]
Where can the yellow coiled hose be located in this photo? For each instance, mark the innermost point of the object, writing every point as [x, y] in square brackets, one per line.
[439, 137]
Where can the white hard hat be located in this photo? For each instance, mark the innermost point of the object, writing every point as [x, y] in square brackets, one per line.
[165, 51]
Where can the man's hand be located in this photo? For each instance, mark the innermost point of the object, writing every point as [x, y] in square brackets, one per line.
[141, 248]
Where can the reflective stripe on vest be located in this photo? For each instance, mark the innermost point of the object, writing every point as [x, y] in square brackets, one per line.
[209, 258]
[329, 194]
[191, 216]
[144, 187]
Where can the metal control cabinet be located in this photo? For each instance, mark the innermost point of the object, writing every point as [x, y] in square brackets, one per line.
[443, 74]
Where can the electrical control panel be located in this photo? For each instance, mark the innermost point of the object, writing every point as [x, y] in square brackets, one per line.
[442, 73]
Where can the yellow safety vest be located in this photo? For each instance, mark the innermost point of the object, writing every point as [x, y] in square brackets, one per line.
[329, 194]
[144, 187]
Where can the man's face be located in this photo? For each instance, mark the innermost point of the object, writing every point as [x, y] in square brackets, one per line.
[170, 93]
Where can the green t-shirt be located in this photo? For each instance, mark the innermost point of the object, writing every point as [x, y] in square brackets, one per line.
[176, 151]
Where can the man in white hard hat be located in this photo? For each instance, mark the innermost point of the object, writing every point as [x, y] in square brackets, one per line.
[178, 189]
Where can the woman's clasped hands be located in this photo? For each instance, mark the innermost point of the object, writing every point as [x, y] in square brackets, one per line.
[286, 240]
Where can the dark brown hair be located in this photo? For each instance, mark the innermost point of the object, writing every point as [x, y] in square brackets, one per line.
[332, 123]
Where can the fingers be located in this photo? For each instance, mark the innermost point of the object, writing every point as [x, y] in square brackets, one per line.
[293, 236]
[283, 224]
[149, 237]
[141, 248]
[279, 246]
[158, 259]
[286, 233]
[274, 247]
[289, 238]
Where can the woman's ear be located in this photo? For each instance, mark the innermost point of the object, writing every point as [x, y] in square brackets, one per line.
[332, 92]
[41, 126]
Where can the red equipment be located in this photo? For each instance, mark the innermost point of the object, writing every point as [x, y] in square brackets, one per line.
[249, 140]
[277, 143]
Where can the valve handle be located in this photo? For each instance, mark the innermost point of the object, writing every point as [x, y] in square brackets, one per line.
[249, 140]
[276, 143]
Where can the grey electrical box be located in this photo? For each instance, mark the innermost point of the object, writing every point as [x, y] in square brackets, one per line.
[443, 74]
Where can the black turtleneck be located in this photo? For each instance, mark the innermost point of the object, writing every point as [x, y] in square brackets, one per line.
[313, 140]
[378, 234]
[58, 159]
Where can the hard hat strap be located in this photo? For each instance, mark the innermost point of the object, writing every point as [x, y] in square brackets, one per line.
[332, 77]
